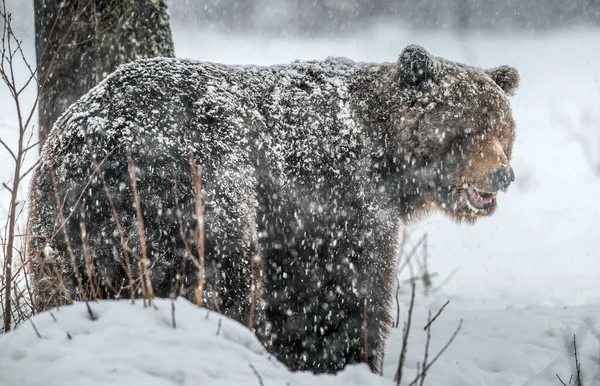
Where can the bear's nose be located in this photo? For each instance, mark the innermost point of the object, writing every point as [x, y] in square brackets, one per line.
[501, 178]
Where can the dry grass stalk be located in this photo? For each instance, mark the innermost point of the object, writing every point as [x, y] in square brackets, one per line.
[143, 264]
[88, 261]
[188, 249]
[197, 179]
[58, 276]
[214, 298]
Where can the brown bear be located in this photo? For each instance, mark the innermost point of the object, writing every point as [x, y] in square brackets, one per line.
[307, 171]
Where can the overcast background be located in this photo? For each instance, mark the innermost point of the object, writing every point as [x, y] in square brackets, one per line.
[318, 17]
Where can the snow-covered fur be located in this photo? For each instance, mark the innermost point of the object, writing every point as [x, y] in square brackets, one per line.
[308, 170]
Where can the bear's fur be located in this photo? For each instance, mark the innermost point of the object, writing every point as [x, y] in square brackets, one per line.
[307, 172]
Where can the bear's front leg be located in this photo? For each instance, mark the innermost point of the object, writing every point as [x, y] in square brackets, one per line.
[329, 280]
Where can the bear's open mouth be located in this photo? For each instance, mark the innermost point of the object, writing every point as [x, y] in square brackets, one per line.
[479, 200]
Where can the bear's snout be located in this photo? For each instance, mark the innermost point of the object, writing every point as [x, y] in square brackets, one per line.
[502, 178]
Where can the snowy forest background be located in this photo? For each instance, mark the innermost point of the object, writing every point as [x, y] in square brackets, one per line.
[523, 281]
[318, 17]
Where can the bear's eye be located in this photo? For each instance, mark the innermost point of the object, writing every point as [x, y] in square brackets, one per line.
[466, 134]
[501, 137]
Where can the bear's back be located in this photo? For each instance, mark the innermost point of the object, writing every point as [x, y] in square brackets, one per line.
[297, 116]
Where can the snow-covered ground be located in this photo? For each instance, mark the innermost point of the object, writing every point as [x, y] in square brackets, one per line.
[132, 345]
[525, 279]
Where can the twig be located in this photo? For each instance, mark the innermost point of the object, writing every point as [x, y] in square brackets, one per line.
[444, 282]
[173, 314]
[219, 326]
[424, 275]
[100, 33]
[404, 349]
[89, 310]
[35, 329]
[578, 380]
[412, 252]
[427, 342]
[8, 149]
[436, 315]
[425, 278]
[260, 380]
[426, 368]
[577, 364]
[397, 303]
[588, 152]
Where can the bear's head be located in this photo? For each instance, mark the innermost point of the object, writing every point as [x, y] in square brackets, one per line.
[457, 123]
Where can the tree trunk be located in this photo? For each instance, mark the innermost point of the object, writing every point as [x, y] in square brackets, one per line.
[80, 42]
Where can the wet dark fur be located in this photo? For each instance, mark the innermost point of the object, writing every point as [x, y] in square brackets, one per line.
[308, 171]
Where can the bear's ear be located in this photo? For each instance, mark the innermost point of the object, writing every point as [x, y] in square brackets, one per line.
[416, 66]
[506, 77]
